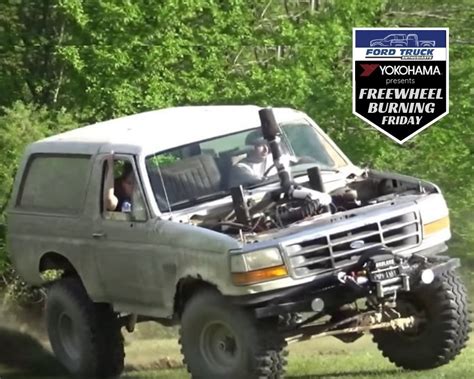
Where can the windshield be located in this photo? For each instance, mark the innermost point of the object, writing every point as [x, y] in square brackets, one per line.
[206, 170]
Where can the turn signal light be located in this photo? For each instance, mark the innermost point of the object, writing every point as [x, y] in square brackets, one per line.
[262, 275]
[436, 226]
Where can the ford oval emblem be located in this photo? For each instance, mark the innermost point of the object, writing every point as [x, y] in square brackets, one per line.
[357, 244]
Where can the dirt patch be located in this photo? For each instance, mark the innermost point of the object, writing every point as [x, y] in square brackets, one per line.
[22, 351]
[161, 364]
[23, 343]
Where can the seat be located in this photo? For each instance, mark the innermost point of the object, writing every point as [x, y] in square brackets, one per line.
[191, 177]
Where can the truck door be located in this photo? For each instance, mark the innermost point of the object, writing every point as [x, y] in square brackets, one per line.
[125, 254]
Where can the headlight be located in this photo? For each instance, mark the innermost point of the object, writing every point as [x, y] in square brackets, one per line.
[434, 216]
[257, 266]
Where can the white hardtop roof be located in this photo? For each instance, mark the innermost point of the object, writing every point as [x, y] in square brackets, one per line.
[159, 130]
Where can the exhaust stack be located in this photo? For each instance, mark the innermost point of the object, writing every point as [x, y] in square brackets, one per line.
[271, 132]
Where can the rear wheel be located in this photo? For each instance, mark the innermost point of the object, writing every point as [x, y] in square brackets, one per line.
[441, 335]
[85, 337]
[219, 340]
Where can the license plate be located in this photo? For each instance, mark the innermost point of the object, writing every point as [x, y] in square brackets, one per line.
[387, 273]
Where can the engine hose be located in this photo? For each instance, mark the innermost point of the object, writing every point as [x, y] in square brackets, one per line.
[289, 215]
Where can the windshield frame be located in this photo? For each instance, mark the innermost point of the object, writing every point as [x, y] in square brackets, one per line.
[325, 139]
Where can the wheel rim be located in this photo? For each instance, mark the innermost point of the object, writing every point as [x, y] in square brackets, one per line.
[68, 336]
[219, 346]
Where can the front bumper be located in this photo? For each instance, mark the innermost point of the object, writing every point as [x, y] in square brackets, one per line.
[333, 293]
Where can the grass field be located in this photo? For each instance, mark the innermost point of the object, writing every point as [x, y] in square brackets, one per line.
[23, 357]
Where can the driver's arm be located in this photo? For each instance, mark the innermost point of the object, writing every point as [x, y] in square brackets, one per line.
[242, 174]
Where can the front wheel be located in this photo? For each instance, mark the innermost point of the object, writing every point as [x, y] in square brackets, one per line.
[442, 332]
[220, 340]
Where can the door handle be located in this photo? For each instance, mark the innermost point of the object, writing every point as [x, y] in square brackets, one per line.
[98, 235]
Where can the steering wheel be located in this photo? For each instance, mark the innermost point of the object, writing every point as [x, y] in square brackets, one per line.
[268, 170]
[302, 160]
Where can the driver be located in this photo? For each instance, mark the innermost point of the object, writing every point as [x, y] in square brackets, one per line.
[251, 169]
[118, 193]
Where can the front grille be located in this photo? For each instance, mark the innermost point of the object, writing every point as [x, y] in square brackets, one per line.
[339, 250]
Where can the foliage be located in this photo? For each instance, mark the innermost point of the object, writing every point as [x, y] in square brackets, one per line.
[105, 59]
[161, 160]
[18, 293]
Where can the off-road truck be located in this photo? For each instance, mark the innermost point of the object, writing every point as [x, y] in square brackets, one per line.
[313, 246]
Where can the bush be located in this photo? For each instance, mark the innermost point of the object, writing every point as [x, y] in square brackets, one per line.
[18, 294]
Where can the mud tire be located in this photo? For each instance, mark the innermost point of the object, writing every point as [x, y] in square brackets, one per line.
[254, 348]
[442, 337]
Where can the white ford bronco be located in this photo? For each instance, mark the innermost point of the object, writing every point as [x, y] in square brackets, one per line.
[247, 226]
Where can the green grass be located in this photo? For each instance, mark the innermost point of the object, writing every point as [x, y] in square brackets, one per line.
[323, 358]
[330, 358]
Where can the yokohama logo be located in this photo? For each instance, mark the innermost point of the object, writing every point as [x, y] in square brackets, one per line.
[407, 70]
[368, 69]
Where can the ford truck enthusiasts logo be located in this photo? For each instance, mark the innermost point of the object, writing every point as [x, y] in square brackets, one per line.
[400, 78]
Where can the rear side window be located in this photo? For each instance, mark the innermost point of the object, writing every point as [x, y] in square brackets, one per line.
[55, 183]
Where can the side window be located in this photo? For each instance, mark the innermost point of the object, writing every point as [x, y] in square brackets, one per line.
[122, 199]
[55, 183]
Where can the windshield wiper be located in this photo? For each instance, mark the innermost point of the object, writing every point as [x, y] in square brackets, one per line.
[293, 174]
[199, 199]
[305, 172]
[263, 183]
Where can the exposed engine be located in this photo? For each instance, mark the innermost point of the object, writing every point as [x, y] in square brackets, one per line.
[287, 204]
